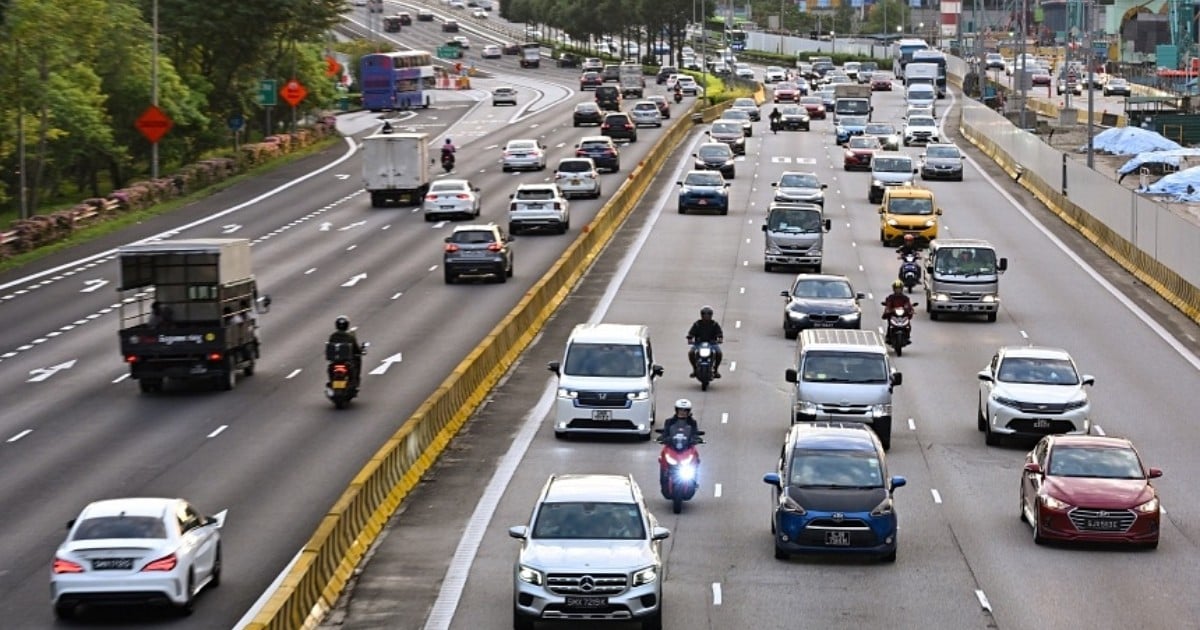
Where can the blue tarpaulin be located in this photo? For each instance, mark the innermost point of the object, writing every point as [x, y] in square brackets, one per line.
[1173, 158]
[1183, 186]
[1131, 141]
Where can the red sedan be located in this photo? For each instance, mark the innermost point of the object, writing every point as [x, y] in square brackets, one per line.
[882, 82]
[860, 150]
[1088, 488]
[590, 81]
[786, 93]
[815, 107]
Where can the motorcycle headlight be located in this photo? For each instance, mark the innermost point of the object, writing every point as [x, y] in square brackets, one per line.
[884, 508]
[639, 395]
[687, 472]
[807, 407]
[530, 575]
[645, 576]
[881, 410]
[563, 392]
[1148, 507]
[789, 505]
[1007, 402]
[1054, 504]
[989, 299]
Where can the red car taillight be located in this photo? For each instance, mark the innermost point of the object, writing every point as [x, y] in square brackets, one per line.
[462, 196]
[165, 563]
[66, 566]
[431, 197]
[214, 356]
[580, 153]
[451, 247]
[494, 247]
[605, 126]
[132, 358]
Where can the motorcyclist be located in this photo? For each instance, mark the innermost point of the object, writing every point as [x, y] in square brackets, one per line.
[343, 334]
[682, 420]
[776, 116]
[909, 246]
[387, 127]
[678, 92]
[706, 329]
[448, 151]
[897, 299]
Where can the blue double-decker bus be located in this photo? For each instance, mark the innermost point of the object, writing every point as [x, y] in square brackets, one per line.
[396, 80]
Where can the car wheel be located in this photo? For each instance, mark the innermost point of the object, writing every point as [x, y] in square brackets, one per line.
[449, 277]
[228, 380]
[991, 438]
[1036, 526]
[429, 217]
[504, 169]
[64, 611]
[562, 435]
[790, 333]
[520, 621]
[189, 605]
[891, 557]
[980, 419]
[768, 267]
[214, 579]
[1021, 505]
[991, 317]
[781, 554]
[682, 209]
[577, 123]
[654, 621]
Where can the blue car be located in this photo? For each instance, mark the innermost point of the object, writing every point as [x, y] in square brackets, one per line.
[704, 190]
[849, 126]
[832, 493]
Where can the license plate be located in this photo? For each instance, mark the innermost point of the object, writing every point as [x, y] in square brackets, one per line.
[837, 539]
[576, 182]
[447, 207]
[1041, 423]
[339, 384]
[602, 415]
[534, 206]
[587, 602]
[199, 369]
[112, 564]
[704, 202]
[1103, 524]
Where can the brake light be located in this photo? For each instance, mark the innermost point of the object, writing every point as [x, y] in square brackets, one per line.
[165, 563]
[431, 197]
[557, 206]
[214, 356]
[131, 358]
[605, 126]
[611, 151]
[463, 196]
[494, 247]
[451, 247]
[66, 566]
[340, 368]
[580, 153]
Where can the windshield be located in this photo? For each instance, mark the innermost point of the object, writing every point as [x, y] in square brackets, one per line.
[965, 261]
[799, 180]
[844, 367]
[1037, 371]
[853, 106]
[727, 127]
[794, 221]
[921, 121]
[941, 152]
[792, 110]
[704, 178]
[811, 100]
[829, 289]
[622, 360]
[880, 130]
[535, 194]
[907, 205]
[852, 121]
[813, 468]
[745, 102]
[713, 153]
[448, 187]
[1104, 463]
[891, 165]
[120, 527]
[585, 520]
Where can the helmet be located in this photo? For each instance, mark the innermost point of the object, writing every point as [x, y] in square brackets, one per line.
[683, 403]
[908, 238]
[897, 284]
[448, 141]
[342, 323]
[707, 310]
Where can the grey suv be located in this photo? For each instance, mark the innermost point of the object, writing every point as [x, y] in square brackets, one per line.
[591, 551]
[478, 250]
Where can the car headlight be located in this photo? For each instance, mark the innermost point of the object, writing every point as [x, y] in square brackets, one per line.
[891, 222]
[807, 407]
[645, 576]
[1007, 402]
[849, 317]
[729, 162]
[789, 505]
[876, 183]
[795, 312]
[1054, 504]
[814, 251]
[1148, 507]
[563, 392]
[639, 395]
[881, 410]
[941, 297]
[930, 223]
[884, 508]
[989, 299]
[530, 575]
[1075, 404]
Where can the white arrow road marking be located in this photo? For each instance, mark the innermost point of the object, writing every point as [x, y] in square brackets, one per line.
[354, 280]
[325, 226]
[352, 226]
[230, 228]
[92, 285]
[387, 363]
[343, 176]
[41, 374]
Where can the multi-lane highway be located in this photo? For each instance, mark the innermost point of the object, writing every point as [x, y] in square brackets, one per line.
[965, 560]
[273, 452]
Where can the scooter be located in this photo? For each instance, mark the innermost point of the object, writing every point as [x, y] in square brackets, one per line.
[775, 125]
[706, 359]
[910, 270]
[448, 161]
[679, 466]
[678, 97]
[343, 382]
[899, 330]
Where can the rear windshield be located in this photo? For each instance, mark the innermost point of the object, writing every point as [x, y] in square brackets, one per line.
[472, 237]
[534, 193]
[120, 527]
[574, 166]
[622, 360]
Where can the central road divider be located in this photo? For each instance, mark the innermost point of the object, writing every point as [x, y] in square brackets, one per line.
[327, 560]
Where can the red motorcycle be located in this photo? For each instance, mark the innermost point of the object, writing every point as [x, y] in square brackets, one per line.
[679, 466]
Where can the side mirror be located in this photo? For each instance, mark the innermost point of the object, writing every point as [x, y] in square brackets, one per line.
[656, 370]
[938, 212]
[915, 305]
[513, 196]
[265, 302]
[882, 209]
[824, 186]
[1088, 379]
[914, 171]
[477, 189]
[679, 183]
[828, 225]
[899, 482]
[897, 379]
[727, 184]
[553, 366]
[1003, 266]
[660, 533]
[1033, 467]
[986, 376]
[771, 479]
[447, 239]
[860, 296]
[785, 293]
[518, 532]
[790, 375]
[1154, 473]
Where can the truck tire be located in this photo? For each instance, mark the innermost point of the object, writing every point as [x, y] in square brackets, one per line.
[376, 200]
[248, 370]
[992, 316]
[150, 385]
[228, 379]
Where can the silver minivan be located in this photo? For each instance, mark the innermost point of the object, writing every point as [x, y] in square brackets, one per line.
[921, 95]
[843, 375]
[606, 381]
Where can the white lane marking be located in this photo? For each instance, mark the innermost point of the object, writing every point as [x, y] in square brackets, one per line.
[442, 612]
[733, 366]
[716, 589]
[294, 373]
[38, 375]
[218, 431]
[386, 227]
[351, 248]
[310, 271]
[912, 426]
[120, 378]
[355, 279]
[8, 355]
[724, 417]
[387, 363]
[491, 146]
[1024, 335]
[92, 285]
[1098, 430]
[433, 268]
[983, 600]
[19, 435]
[937, 496]
[737, 324]
[717, 491]
[396, 296]
[1137, 311]
[742, 290]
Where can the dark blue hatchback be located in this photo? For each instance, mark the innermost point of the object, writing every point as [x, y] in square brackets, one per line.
[832, 493]
[704, 190]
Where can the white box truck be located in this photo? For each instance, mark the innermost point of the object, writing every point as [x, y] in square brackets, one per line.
[396, 168]
[531, 55]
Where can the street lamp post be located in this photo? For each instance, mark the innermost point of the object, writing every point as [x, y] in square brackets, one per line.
[832, 42]
[1090, 55]
[154, 87]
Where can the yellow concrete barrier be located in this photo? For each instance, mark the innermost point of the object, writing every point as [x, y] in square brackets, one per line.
[327, 560]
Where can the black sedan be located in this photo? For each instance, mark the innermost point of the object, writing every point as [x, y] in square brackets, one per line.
[588, 114]
[820, 301]
[794, 118]
[715, 156]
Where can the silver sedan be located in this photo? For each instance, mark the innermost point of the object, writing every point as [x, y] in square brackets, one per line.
[524, 155]
[451, 197]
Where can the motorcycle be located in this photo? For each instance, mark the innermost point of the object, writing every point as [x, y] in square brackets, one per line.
[343, 382]
[910, 270]
[899, 329]
[775, 125]
[679, 466]
[678, 97]
[448, 161]
[706, 358]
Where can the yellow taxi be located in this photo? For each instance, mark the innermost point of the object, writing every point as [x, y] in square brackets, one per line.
[908, 210]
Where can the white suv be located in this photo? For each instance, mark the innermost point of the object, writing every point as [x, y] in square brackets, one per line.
[591, 551]
[578, 177]
[538, 206]
[1029, 391]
